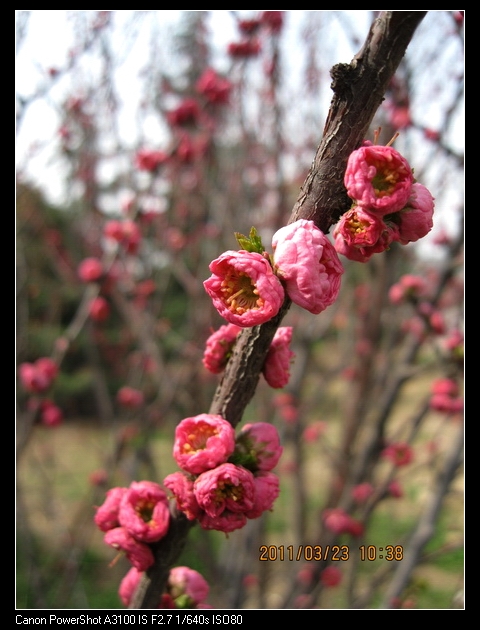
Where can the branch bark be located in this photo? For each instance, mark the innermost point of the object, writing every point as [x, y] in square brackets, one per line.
[359, 88]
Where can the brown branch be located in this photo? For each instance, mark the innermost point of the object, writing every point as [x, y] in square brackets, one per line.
[359, 88]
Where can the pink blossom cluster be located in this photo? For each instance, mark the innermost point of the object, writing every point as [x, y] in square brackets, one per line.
[338, 521]
[90, 269]
[129, 397]
[399, 453]
[38, 378]
[127, 233]
[134, 517]
[388, 204]
[186, 588]
[445, 396]
[248, 287]
[226, 479]
[249, 45]
[276, 368]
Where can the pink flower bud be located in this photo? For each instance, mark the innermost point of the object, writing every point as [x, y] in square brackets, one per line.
[129, 397]
[276, 368]
[187, 584]
[258, 446]
[90, 270]
[416, 218]
[99, 309]
[219, 347]
[308, 264]
[244, 289]
[50, 414]
[128, 585]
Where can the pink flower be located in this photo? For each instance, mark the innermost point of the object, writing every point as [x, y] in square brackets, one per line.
[362, 491]
[188, 586]
[395, 489]
[187, 113]
[37, 377]
[203, 442]
[308, 264]
[359, 228]
[106, 517]
[215, 88]
[379, 179]
[50, 414]
[363, 253]
[182, 489]
[227, 487]
[331, 576]
[445, 386]
[246, 48]
[128, 585]
[399, 453]
[219, 347]
[144, 511]
[336, 520]
[276, 368]
[273, 20]
[139, 553]
[258, 446]
[148, 160]
[409, 286]
[244, 289]
[416, 218]
[99, 309]
[130, 397]
[445, 396]
[90, 270]
[267, 489]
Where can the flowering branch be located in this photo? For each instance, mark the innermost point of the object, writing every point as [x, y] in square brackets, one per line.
[359, 88]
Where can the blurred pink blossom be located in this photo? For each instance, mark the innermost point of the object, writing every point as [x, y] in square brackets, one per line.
[399, 453]
[90, 270]
[129, 397]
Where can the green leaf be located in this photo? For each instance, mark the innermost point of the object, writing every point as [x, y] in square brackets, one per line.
[251, 243]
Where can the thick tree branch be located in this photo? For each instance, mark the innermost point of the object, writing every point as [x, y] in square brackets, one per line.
[359, 88]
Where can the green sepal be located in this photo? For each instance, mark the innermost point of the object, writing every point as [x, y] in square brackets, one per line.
[251, 243]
